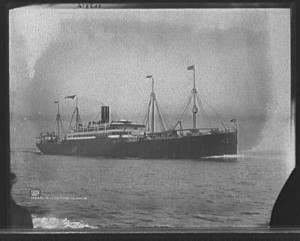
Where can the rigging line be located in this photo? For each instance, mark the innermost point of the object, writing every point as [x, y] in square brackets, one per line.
[185, 108]
[62, 127]
[146, 119]
[115, 116]
[98, 115]
[159, 116]
[180, 113]
[205, 118]
[142, 115]
[215, 111]
[201, 110]
[54, 126]
[164, 117]
[138, 116]
[79, 118]
[214, 125]
[211, 106]
[146, 114]
[71, 119]
[187, 105]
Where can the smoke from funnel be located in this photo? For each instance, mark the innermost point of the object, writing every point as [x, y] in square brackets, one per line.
[39, 28]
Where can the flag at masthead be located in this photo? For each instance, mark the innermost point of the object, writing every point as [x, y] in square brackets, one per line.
[192, 67]
[70, 97]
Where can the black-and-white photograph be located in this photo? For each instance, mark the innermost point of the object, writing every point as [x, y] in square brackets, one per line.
[128, 118]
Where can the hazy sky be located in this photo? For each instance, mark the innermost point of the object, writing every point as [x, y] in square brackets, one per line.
[241, 57]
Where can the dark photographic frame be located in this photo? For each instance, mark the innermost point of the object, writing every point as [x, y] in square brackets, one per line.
[210, 234]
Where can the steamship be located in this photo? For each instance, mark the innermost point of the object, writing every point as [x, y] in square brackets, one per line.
[128, 139]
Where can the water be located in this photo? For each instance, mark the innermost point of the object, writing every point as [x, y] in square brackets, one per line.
[80, 192]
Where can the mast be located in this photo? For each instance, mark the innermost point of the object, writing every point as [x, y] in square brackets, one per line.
[151, 108]
[152, 100]
[194, 92]
[77, 113]
[57, 117]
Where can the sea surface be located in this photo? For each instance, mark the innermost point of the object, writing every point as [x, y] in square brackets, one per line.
[80, 192]
[236, 191]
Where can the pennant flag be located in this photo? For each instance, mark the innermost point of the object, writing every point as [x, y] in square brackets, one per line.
[56, 101]
[70, 97]
[149, 76]
[191, 67]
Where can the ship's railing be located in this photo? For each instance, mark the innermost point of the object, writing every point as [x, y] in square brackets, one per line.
[83, 133]
[183, 132]
[38, 139]
[103, 132]
[90, 128]
[203, 131]
[47, 137]
[108, 126]
[171, 134]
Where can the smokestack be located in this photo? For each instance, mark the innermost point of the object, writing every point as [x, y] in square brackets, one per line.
[104, 114]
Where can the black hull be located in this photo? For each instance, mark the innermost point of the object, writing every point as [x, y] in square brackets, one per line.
[187, 147]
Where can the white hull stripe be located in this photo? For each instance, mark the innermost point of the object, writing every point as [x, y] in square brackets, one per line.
[122, 136]
[81, 138]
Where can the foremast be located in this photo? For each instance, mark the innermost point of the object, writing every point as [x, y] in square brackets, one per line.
[194, 92]
[58, 120]
[151, 109]
[75, 113]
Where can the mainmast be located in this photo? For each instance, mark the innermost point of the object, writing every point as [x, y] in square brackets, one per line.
[194, 92]
[152, 99]
[77, 113]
